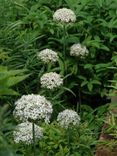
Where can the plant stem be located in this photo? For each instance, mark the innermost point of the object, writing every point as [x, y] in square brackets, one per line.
[68, 138]
[64, 47]
[79, 103]
[49, 67]
[33, 132]
[79, 100]
[64, 40]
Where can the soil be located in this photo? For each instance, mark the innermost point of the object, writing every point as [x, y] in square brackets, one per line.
[103, 150]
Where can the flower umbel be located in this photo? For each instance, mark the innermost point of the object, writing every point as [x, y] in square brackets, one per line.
[33, 107]
[23, 133]
[64, 15]
[68, 118]
[48, 56]
[78, 50]
[51, 80]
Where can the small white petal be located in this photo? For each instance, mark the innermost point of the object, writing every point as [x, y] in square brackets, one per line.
[78, 50]
[68, 118]
[34, 107]
[23, 133]
[64, 15]
[51, 80]
[48, 56]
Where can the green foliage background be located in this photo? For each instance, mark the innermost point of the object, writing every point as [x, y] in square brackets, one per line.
[27, 27]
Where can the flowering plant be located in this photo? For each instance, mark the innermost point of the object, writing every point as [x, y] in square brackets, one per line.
[68, 118]
[33, 107]
[23, 133]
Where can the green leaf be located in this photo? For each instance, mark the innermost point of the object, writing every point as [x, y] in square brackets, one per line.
[72, 39]
[16, 79]
[84, 83]
[61, 65]
[96, 82]
[9, 78]
[6, 153]
[7, 91]
[72, 3]
[74, 69]
[88, 66]
[69, 90]
[104, 48]
[90, 86]
[82, 77]
[102, 66]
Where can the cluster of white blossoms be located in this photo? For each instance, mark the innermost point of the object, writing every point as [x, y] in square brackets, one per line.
[64, 15]
[48, 56]
[23, 133]
[68, 118]
[33, 107]
[78, 50]
[51, 80]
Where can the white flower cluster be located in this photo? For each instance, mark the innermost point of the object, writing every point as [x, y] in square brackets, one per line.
[47, 56]
[68, 118]
[78, 50]
[33, 107]
[51, 80]
[64, 15]
[23, 133]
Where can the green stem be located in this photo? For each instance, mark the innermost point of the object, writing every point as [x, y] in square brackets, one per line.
[64, 47]
[68, 137]
[64, 40]
[79, 103]
[33, 132]
[77, 107]
[49, 67]
[79, 94]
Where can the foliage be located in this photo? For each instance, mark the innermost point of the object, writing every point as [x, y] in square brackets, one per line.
[113, 81]
[57, 141]
[110, 123]
[9, 78]
[29, 28]
[6, 128]
[109, 131]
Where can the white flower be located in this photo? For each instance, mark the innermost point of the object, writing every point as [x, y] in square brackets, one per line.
[33, 107]
[51, 80]
[68, 118]
[64, 15]
[78, 50]
[47, 56]
[23, 133]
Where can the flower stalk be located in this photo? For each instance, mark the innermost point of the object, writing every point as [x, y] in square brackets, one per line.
[64, 40]
[33, 132]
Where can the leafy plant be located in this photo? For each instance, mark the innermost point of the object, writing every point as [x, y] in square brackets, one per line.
[26, 28]
[6, 129]
[9, 78]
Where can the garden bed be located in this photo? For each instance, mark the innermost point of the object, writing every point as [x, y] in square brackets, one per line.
[108, 138]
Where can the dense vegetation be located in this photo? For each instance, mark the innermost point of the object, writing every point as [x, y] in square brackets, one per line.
[26, 28]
